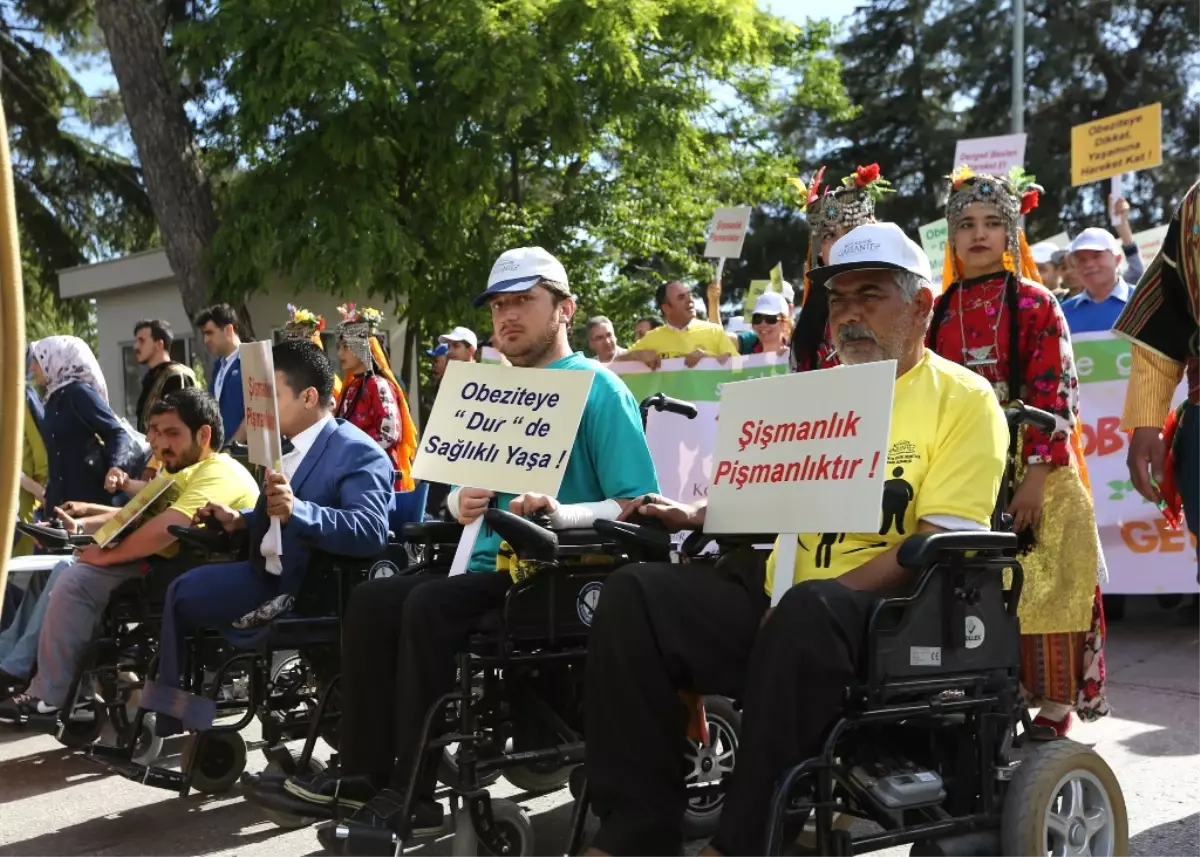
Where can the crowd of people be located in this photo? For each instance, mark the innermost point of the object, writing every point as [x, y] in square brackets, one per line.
[993, 334]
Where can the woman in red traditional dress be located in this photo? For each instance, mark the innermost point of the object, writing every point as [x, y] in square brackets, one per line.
[829, 218]
[371, 397]
[998, 320]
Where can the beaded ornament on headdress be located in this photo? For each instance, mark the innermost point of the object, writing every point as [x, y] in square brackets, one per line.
[853, 204]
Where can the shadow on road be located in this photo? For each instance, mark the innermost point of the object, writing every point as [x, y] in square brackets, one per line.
[45, 772]
[1173, 839]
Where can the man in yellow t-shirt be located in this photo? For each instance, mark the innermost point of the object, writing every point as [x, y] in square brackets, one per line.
[186, 427]
[683, 335]
[661, 629]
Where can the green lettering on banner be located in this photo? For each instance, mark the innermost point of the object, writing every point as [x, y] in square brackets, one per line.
[1102, 359]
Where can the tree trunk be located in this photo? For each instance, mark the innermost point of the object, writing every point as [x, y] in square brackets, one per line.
[179, 192]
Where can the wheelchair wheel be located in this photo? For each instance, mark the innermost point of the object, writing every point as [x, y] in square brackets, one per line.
[221, 763]
[449, 775]
[712, 763]
[1064, 798]
[147, 746]
[82, 731]
[513, 823]
[287, 820]
[538, 778]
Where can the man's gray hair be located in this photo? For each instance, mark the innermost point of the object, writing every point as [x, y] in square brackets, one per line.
[598, 320]
[910, 283]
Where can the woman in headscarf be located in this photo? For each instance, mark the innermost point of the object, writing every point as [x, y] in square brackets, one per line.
[829, 218]
[83, 437]
[371, 397]
[997, 319]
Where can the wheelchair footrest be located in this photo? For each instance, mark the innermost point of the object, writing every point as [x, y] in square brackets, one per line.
[149, 775]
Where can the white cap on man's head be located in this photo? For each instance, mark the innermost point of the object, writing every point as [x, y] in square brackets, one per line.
[520, 270]
[770, 303]
[1043, 252]
[460, 334]
[1095, 238]
[873, 247]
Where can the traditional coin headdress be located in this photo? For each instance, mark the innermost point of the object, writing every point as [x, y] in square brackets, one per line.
[356, 330]
[1012, 196]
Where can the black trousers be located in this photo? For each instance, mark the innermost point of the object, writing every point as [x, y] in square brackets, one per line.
[664, 628]
[399, 641]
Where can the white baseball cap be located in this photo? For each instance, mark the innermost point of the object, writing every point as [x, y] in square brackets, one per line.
[737, 324]
[460, 334]
[1043, 252]
[770, 303]
[520, 270]
[873, 246]
[1094, 238]
[789, 293]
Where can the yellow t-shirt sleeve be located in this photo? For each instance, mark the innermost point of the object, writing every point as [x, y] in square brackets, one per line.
[965, 472]
[1153, 379]
[771, 566]
[215, 483]
[718, 342]
[649, 342]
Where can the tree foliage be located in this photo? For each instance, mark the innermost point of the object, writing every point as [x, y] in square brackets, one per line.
[394, 147]
[929, 72]
[76, 201]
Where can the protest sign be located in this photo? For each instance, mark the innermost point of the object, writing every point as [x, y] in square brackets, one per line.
[1121, 143]
[1149, 242]
[263, 442]
[994, 156]
[776, 276]
[727, 233]
[1062, 240]
[802, 452]
[933, 241]
[502, 428]
[756, 290]
[132, 511]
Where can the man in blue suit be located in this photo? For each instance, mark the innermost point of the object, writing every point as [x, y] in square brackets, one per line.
[333, 495]
[219, 325]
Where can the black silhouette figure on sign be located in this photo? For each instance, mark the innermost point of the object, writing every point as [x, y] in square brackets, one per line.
[897, 494]
[825, 548]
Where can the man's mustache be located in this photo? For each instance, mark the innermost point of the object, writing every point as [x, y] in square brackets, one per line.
[855, 332]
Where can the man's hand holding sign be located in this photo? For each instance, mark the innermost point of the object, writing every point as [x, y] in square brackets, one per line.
[264, 444]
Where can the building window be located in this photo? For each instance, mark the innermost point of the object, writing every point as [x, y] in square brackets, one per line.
[181, 352]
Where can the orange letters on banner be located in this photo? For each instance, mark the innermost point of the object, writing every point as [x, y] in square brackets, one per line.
[1147, 537]
[1104, 438]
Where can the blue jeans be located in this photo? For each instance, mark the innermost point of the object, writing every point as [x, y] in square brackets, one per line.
[19, 642]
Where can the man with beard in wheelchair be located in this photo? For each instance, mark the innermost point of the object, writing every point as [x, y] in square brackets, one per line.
[185, 427]
[665, 628]
[401, 634]
[333, 495]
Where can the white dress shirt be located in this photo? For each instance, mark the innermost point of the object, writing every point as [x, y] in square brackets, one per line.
[272, 544]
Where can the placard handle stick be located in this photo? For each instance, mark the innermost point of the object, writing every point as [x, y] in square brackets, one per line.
[714, 294]
[466, 546]
[785, 565]
[1112, 201]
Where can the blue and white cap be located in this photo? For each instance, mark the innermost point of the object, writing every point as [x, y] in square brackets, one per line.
[520, 270]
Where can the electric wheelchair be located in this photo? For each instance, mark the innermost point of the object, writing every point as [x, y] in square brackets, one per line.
[282, 674]
[934, 745]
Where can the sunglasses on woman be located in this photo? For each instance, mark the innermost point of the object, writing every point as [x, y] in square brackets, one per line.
[759, 318]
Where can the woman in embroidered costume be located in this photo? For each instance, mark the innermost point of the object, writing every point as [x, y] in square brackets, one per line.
[829, 218]
[371, 397]
[996, 319]
[303, 324]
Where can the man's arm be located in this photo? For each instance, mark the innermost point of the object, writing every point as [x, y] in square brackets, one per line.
[150, 538]
[884, 572]
[358, 526]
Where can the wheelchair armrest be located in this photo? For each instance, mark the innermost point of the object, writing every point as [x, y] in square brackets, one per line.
[432, 532]
[50, 538]
[923, 549]
[206, 537]
[649, 540]
[528, 539]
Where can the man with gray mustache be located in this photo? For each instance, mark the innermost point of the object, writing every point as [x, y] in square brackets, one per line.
[653, 634]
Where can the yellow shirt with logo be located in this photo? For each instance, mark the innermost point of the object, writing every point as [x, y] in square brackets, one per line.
[216, 479]
[670, 341]
[946, 457]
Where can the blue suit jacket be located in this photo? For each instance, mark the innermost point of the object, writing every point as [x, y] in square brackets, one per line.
[344, 492]
[232, 402]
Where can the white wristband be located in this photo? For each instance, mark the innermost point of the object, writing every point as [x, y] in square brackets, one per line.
[452, 503]
[579, 515]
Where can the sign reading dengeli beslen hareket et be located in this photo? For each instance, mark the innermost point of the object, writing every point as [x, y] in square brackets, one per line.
[802, 453]
[1123, 143]
[503, 428]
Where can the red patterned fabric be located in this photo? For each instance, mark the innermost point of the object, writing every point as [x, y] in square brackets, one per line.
[370, 403]
[826, 356]
[1050, 381]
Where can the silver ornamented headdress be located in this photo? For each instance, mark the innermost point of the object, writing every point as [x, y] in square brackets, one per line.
[1013, 196]
[356, 330]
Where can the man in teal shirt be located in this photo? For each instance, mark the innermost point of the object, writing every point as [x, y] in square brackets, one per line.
[401, 634]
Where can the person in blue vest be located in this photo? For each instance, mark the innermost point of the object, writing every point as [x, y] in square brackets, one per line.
[1096, 255]
[219, 324]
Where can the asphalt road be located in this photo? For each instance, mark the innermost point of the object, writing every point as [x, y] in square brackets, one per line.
[52, 802]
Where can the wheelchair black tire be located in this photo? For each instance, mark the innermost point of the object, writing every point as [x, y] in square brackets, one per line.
[147, 746]
[78, 734]
[702, 815]
[538, 779]
[222, 764]
[1034, 789]
[449, 776]
[510, 817]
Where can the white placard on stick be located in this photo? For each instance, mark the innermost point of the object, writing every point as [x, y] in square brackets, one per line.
[802, 453]
[727, 233]
[994, 156]
[264, 445]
